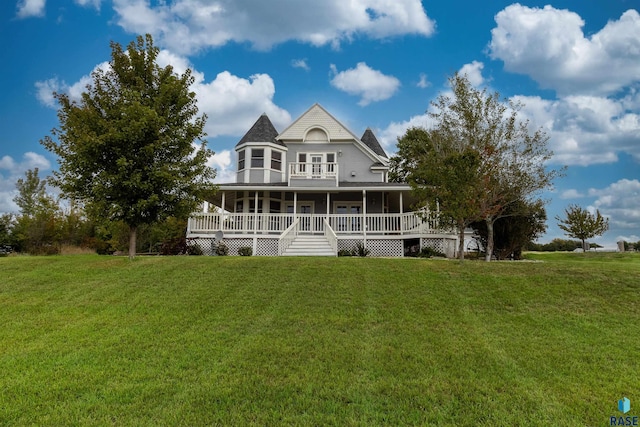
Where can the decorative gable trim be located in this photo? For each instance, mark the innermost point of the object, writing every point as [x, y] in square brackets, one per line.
[317, 117]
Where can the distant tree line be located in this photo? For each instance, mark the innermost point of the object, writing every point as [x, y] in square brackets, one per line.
[45, 226]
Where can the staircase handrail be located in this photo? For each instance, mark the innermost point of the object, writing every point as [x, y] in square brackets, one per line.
[287, 237]
[331, 236]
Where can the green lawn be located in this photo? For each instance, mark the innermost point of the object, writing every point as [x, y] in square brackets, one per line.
[90, 340]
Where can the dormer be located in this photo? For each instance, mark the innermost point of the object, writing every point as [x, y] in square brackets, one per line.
[261, 156]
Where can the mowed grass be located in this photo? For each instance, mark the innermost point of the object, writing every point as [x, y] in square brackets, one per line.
[90, 340]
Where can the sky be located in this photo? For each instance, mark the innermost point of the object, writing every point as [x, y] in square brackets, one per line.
[573, 64]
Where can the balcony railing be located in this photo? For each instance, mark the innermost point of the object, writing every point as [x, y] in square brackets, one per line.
[313, 171]
[341, 224]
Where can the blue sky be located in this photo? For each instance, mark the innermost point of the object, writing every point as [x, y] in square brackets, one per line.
[372, 63]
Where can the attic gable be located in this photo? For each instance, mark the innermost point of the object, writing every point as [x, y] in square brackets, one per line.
[261, 131]
[316, 117]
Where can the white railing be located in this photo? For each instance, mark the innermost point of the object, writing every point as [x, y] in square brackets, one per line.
[313, 170]
[287, 238]
[341, 224]
[331, 236]
[310, 223]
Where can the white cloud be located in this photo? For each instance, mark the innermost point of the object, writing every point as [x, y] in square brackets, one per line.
[571, 194]
[620, 202]
[233, 104]
[424, 82]
[371, 85]
[28, 8]
[388, 137]
[11, 171]
[473, 71]
[187, 26]
[94, 3]
[45, 91]
[45, 88]
[585, 130]
[550, 46]
[224, 168]
[300, 63]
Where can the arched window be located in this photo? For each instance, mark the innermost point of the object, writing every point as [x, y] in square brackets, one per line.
[316, 135]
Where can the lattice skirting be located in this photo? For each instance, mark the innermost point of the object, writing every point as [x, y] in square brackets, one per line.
[385, 247]
[348, 244]
[208, 245]
[378, 247]
[267, 247]
[445, 245]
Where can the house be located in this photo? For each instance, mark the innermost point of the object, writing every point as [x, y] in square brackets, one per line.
[314, 189]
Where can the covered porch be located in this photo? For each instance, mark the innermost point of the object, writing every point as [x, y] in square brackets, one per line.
[272, 218]
[371, 208]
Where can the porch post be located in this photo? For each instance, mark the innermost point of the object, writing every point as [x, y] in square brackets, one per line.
[328, 208]
[205, 207]
[222, 213]
[295, 205]
[255, 222]
[401, 218]
[364, 216]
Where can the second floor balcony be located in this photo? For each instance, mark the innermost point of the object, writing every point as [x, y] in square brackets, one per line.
[313, 173]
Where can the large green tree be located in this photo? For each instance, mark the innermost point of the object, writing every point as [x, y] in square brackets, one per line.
[127, 149]
[581, 224]
[439, 174]
[509, 166]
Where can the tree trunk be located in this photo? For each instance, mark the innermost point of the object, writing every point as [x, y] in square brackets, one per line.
[489, 248]
[133, 233]
[461, 242]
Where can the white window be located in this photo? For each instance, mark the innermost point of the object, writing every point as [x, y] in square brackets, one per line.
[240, 160]
[276, 160]
[257, 157]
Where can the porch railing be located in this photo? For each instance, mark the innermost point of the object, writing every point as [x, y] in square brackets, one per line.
[341, 224]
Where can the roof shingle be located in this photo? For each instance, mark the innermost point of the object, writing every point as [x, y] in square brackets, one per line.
[371, 141]
[261, 131]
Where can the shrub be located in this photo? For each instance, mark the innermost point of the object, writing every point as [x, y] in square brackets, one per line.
[176, 246]
[194, 249]
[360, 250]
[245, 251]
[428, 252]
[344, 252]
[221, 249]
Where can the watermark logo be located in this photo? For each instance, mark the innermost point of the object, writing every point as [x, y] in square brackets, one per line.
[624, 406]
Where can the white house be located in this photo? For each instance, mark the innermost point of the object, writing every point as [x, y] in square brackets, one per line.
[314, 189]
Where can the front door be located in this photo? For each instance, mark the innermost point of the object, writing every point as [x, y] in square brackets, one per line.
[305, 209]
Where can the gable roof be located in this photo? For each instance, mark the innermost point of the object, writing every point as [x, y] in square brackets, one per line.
[316, 116]
[261, 131]
[371, 141]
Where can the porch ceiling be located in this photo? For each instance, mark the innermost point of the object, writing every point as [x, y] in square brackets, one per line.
[344, 187]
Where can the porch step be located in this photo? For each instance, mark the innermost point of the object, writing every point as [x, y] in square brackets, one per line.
[308, 245]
